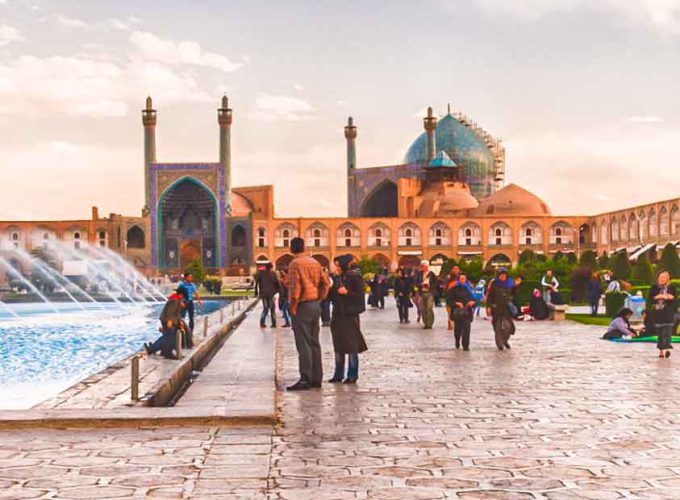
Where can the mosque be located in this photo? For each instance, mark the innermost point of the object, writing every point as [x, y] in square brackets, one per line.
[447, 199]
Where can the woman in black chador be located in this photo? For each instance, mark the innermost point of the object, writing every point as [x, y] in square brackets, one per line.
[347, 295]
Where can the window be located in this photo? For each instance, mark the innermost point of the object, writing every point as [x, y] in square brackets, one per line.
[46, 236]
[317, 237]
[468, 237]
[261, 238]
[286, 237]
[76, 235]
[102, 235]
[15, 236]
[558, 236]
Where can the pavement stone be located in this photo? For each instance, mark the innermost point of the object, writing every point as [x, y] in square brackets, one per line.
[562, 415]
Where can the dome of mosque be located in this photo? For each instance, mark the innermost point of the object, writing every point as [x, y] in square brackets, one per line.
[466, 147]
[446, 199]
[512, 200]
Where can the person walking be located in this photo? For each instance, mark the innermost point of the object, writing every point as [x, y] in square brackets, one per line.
[593, 293]
[347, 295]
[427, 306]
[191, 294]
[462, 302]
[498, 300]
[662, 297]
[284, 305]
[378, 291]
[308, 285]
[266, 287]
[402, 294]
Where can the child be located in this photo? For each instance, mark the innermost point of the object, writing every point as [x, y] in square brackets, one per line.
[427, 306]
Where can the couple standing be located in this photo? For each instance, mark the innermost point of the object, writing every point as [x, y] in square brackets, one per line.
[308, 286]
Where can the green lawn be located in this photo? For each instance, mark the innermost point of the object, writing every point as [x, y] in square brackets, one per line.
[587, 319]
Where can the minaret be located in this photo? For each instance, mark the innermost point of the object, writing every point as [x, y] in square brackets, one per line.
[224, 117]
[351, 136]
[430, 124]
[149, 122]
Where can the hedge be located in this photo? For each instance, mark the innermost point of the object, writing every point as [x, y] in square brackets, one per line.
[614, 302]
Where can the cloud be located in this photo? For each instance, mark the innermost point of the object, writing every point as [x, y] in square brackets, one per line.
[271, 106]
[9, 34]
[71, 22]
[154, 48]
[85, 86]
[662, 16]
[124, 24]
[645, 119]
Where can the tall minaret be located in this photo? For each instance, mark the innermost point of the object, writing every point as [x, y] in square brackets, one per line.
[430, 124]
[224, 117]
[149, 122]
[351, 136]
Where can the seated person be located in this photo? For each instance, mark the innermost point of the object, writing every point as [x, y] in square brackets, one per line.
[620, 328]
[538, 306]
[166, 342]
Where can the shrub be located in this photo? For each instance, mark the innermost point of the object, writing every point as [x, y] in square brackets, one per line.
[643, 270]
[621, 266]
[669, 260]
[195, 268]
[613, 302]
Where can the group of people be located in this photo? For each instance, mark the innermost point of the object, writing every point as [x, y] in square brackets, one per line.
[661, 317]
[177, 315]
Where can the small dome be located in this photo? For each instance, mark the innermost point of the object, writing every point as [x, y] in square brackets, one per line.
[446, 199]
[240, 205]
[512, 200]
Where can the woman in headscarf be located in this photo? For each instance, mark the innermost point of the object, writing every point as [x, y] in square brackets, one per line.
[662, 297]
[347, 295]
[462, 302]
[497, 302]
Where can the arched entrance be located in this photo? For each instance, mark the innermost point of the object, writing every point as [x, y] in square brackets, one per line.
[382, 260]
[409, 262]
[382, 202]
[322, 260]
[187, 221]
[283, 262]
[499, 260]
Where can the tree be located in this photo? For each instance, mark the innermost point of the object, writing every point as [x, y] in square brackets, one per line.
[589, 260]
[669, 261]
[643, 270]
[368, 266]
[604, 261]
[195, 268]
[527, 256]
[621, 266]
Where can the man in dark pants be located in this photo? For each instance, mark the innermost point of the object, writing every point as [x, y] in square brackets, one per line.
[266, 286]
[191, 293]
[307, 287]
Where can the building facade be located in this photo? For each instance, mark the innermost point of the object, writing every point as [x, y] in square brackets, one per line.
[446, 200]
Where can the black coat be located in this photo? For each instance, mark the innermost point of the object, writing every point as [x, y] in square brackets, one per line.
[663, 311]
[345, 326]
[459, 294]
[498, 299]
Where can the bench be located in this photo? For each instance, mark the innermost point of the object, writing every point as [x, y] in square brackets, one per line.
[558, 313]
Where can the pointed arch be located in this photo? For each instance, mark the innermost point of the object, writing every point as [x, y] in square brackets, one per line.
[382, 201]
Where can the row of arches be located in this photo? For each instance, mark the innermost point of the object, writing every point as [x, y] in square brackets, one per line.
[638, 226]
[408, 261]
[44, 237]
[409, 234]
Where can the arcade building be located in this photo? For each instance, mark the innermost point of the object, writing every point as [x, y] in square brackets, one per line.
[447, 199]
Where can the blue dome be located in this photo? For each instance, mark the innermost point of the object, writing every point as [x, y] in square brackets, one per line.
[466, 148]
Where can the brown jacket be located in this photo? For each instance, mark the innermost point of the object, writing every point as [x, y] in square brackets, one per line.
[306, 281]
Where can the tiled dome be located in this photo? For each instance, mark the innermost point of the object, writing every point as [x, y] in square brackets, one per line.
[512, 200]
[466, 148]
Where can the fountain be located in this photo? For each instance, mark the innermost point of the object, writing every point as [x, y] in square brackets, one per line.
[5, 307]
[100, 252]
[142, 279]
[49, 272]
[10, 268]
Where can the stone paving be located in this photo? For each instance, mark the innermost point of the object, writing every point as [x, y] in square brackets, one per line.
[561, 415]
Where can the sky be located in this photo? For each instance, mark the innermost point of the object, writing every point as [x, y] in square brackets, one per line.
[583, 93]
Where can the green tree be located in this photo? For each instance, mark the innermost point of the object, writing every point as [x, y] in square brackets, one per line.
[195, 268]
[527, 256]
[589, 260]
[367, 266]
[604, 261]
[621, 266]
[669, 260]
[643, 270]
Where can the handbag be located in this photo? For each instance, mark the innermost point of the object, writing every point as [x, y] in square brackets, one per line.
[458, 313]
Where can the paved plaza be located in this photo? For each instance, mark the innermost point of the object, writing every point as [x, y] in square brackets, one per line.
[561, 415]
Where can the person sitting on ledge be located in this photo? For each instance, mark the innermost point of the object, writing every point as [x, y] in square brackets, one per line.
[619, 328]
[171, 320]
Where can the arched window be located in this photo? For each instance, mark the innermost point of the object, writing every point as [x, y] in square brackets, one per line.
[653, 224]
[15, 236]
[409, 235]
[500, 234]
[283, 234]
[378, 236]
[135, 237]
[663, 222]
[261, 237]
[561, 233]
[286, 237]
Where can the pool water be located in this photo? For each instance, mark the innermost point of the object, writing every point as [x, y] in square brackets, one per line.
[43, 353]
